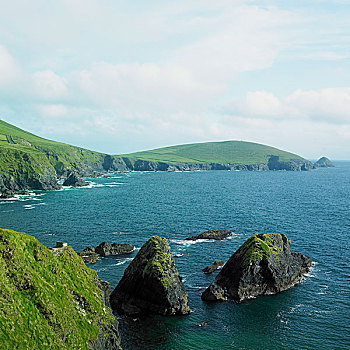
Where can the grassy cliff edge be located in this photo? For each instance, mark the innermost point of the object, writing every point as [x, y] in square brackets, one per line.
[50, 301]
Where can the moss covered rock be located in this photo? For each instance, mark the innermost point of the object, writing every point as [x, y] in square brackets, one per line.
[263, 265]
[151, 283]
[50, 301]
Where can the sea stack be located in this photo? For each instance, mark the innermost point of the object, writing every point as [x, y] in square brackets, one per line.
[74, 180]
[151, 283]
[323, 162]
[263, 265]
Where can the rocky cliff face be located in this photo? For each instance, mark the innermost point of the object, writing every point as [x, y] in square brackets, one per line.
[124, 164]
[263, 265]
[22, 171]
[151, 283]
[51, 301]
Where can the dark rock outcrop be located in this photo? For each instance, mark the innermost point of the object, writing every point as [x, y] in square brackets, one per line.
[108, 337]
[274, 163]
[217, 235]
[323, 162]
[89, 255]
[151, 283]
[106, 248]
[213, 267]
[74, 180]
[263, 265]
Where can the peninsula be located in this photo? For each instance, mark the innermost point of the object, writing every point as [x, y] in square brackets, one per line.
[30, 162]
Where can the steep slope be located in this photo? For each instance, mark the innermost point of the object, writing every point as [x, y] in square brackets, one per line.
[59, 154]
[51, 301]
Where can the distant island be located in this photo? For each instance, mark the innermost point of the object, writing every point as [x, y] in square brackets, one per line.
[29, 162]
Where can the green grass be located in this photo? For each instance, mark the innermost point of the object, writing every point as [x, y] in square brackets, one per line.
[60, 155]
[3, 139]
[233, 152]
[259, 246]
[39, 294]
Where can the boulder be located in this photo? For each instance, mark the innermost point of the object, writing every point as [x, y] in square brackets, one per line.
[106, 248]
[74, 180]
[211, 268]
[212, 234]
[263, 265]
[151, 283]
[89, 255]
[323, 162]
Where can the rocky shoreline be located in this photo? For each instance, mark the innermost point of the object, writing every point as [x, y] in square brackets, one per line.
[49, 177]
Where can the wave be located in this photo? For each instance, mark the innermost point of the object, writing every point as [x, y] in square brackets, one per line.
[188, 243]
[123, 261]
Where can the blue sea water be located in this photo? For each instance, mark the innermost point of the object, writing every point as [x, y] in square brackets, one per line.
[311, 208]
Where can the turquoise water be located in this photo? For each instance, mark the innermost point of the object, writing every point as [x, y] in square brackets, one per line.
[312, 208]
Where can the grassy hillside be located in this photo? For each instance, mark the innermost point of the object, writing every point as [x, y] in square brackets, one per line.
[233, 152]
[48, 301]
[59, 154]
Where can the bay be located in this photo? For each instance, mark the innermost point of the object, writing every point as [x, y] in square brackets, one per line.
[311, 208]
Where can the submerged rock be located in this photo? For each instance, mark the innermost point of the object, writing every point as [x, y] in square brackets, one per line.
[323, 162]
[212, 234]
[211, 268]
[263, 265]
[89, 255]
[151, 283]
[73, 179]
[106, 248]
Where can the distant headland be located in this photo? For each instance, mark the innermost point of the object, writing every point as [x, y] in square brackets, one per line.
[29, 162]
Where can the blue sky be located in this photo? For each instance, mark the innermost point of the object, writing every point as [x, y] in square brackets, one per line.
[121, 76]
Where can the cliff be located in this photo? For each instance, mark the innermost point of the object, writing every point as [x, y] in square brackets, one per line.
[151, 283]
[29, 162]
[263, 265]
[49, 299]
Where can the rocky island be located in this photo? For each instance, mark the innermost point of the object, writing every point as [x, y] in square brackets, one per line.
[217, 235]
[151, 283]
[324, 162]
[50, 299]
[263, 265]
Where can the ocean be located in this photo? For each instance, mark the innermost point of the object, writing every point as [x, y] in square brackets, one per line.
[312, 208]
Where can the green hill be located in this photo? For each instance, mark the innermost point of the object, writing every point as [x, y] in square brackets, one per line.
[29, 162]
[50, 301]
[59, 154]
[232, 152]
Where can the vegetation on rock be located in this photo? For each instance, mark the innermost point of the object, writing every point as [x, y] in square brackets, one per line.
[50, 301]
[263, 265]
[151, 283]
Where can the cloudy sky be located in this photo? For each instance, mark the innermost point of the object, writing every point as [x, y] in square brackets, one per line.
[121, 76]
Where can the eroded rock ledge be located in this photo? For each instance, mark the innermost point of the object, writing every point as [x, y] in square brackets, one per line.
[263, 265]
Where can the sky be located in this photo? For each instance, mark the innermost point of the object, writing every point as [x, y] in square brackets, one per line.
[121, 76]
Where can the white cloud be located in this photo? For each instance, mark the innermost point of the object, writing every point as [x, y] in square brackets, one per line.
[9, 69]
[330, 105]
[48, 85]
[260, 103]
[53, 110]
